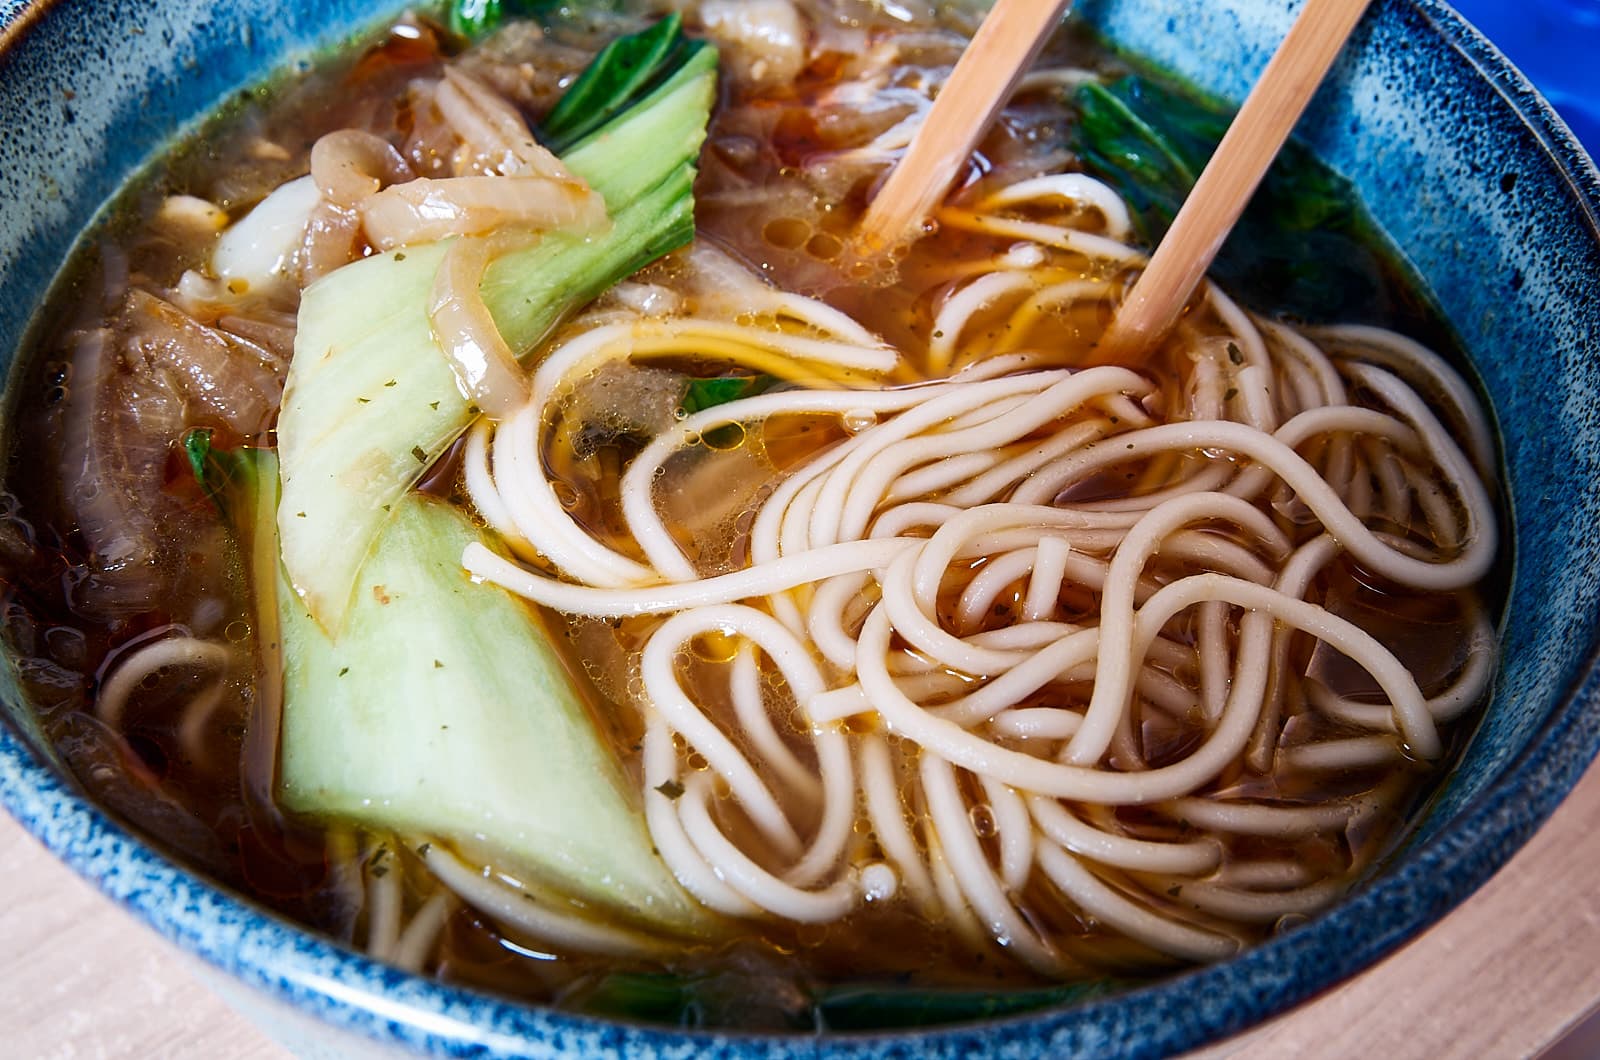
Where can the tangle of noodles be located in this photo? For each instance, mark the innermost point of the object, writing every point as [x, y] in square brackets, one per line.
[967, 624]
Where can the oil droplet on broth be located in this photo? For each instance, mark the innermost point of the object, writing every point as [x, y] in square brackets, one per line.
[715, 647]
[727, 437]
[786, 233]
[825, 246]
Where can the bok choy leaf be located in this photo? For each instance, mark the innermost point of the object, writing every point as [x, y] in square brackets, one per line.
[724, 1000]
[1303, 246]
[623, 71]
[370, 400]
[443, 709]
[472, 18]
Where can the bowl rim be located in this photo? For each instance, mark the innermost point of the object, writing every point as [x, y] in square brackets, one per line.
[351, 991]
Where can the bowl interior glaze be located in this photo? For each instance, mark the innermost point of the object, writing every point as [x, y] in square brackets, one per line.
[1469, 172]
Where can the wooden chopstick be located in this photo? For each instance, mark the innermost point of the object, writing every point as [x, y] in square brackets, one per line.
[1230, 178]
[1006, 44]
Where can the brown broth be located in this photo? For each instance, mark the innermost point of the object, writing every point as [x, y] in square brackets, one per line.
[67, 620]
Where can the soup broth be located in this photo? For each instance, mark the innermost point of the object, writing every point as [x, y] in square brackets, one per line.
[851, 861]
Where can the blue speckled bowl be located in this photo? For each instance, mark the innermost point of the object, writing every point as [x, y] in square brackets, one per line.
[1469, 171]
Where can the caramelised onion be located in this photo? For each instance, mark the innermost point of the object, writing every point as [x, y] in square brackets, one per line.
[494, 138]
[217, 377]
[330, 242]
[350, 164]
[486, 370]
[763, 41]
[425, 210]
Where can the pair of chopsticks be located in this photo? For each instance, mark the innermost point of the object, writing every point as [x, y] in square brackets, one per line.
[1005, 46]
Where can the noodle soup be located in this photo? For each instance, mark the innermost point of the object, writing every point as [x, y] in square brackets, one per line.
[905, 651]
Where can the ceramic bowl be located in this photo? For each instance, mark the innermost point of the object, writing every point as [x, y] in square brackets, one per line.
[1469, 171]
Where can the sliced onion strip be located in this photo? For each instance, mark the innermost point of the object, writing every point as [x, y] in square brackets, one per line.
[486, 370]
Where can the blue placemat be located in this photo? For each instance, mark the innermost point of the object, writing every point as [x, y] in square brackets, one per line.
[1556, 43]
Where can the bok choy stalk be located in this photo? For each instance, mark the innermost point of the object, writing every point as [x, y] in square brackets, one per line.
[370, 400]
[244, 487]
[442, 710]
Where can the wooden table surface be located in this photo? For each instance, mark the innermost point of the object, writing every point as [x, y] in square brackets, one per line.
[1506, 975]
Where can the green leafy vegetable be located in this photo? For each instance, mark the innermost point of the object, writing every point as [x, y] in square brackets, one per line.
[470, 18]
[1303, 245]
[848, 1008]
[1115, 142]
[415, 700]
[443, 710]
[197, 447]
[473, 18]
[349, 440]
[483, 739]
[243, 484]
[721, 1000]
[624, 71]
[702, 394]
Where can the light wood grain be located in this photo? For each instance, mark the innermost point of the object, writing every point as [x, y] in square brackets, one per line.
[1503, 976]
[1003, 49]
[79, 978]
[1230, 178]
